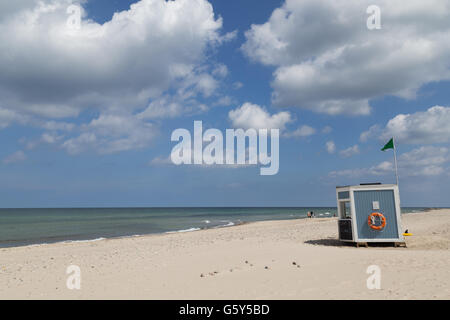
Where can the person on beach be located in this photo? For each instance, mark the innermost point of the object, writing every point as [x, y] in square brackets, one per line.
[309, 214]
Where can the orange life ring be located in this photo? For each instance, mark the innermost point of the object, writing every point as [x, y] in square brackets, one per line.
[371, 219]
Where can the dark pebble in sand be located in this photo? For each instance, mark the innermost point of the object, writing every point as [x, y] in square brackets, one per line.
[246, 261]
[294, 263]
[266, 267]
[201, 276]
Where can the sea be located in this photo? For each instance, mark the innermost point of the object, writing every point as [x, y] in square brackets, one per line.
[21, 227]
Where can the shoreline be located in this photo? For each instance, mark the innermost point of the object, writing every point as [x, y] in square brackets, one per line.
[187, 230]
[21, 227]
[136, 235]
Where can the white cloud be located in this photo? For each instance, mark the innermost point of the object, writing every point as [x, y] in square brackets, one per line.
[18, 156]
[45, 138]
[51, 71]
[9, 9]
[328, 61]
[162, 108]
[220, 70]
[374, 130]
[58, 126]
[7, 117]
[161, 161]
[423, 161]
[428, 127]
[111, 133]
[253, 116]
[303, 131]
[431, 126]
[184, 99]
[426, 161]
[120, 67]
[331, 147]
[50, 138]
[351, 151]
[224, 101]
[237, 85]
[382, 168]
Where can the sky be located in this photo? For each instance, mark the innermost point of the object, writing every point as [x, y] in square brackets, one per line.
[86, 114]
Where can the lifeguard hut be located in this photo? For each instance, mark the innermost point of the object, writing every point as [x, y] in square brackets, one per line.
[369, 213]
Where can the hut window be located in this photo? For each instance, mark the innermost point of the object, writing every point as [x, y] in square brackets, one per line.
[346, 212]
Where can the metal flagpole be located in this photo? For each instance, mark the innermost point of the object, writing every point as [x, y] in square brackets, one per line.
[395, 161]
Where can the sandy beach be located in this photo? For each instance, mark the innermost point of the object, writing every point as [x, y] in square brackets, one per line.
[291, 259]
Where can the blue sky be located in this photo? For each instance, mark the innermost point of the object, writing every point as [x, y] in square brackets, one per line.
[86, 118]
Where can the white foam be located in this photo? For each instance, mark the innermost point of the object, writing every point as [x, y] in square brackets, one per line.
[229, 224]
[185, 230]
[37, 245]
[81, 241]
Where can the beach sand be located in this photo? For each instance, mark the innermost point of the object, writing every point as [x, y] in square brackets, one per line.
[293, 259]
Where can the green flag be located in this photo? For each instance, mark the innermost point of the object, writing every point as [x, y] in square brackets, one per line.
[389, 145]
